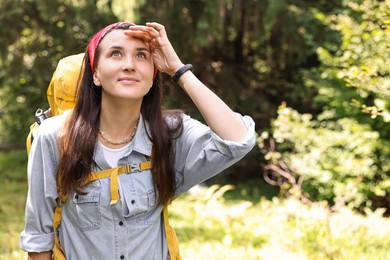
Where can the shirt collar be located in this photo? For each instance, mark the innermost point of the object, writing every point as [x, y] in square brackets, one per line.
[140, 143]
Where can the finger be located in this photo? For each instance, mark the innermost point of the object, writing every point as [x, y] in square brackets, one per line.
[158, 27]
[146, 29]
[139, 34]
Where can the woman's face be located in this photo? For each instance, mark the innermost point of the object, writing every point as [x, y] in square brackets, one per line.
[124, 67]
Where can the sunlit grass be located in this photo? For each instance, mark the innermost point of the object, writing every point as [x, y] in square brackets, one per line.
[209, 227]
[217, 222]
[13, 190]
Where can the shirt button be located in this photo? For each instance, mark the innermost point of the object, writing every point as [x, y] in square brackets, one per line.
[122, 257]
[120, 223]
[132, 201]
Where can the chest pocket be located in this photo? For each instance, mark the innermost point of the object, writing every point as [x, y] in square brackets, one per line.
[84, 209]
[140, 198]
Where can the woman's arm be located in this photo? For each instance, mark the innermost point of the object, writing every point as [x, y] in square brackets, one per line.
[38, 235]
[220, 118]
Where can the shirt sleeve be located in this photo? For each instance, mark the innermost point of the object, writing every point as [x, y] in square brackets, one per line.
[201, 154]
[42, 192]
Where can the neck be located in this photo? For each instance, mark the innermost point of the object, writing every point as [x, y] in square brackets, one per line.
[118, 119]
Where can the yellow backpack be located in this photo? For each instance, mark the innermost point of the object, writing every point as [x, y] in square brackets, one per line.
[61, 94]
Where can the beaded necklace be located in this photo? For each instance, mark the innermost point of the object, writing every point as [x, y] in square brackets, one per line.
[118, 142]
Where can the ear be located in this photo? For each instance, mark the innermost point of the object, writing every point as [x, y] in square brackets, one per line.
[96, 79]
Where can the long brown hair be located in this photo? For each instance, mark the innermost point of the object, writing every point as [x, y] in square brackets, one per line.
[81, 130]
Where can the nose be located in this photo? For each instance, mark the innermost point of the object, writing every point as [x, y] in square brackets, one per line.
[128, 64]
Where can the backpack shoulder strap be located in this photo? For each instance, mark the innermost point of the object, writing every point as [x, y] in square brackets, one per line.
[173, 244]
[33, 128]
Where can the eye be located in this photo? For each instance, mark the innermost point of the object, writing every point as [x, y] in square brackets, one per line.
[116, 53]
[141, 55]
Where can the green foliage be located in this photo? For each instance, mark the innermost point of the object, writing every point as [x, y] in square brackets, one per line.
[248, 52]
[35, 36]
[209, 227]
[12, 202]
[354, 76]
[341, 161]
[342, 151]
[213, 221]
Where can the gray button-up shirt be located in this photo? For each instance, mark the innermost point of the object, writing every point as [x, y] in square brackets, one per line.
[133, 228]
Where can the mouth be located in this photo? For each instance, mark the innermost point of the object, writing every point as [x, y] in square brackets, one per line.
[128, 80]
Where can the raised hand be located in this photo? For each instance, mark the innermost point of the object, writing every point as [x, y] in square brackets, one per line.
[164, 56]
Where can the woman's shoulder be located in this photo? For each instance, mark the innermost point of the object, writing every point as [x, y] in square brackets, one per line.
[52, 125]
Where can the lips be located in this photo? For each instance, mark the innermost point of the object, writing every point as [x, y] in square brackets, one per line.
[128, 79]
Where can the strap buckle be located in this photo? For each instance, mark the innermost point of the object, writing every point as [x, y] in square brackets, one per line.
[60, 201]
[133, 168]
[41, 115]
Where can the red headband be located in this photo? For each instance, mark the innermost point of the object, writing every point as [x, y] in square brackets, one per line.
[97, 38]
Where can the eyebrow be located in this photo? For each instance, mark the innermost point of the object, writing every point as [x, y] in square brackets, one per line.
[143, 49]
[137, 49]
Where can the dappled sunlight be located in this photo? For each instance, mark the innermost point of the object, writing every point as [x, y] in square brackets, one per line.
[210, 227]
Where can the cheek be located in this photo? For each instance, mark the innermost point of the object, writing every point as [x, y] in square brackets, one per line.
[108, 70]
[104, 76]
[148, 71]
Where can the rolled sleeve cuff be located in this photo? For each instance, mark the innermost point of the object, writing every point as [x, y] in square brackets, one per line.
[36, 243]
[237, 149]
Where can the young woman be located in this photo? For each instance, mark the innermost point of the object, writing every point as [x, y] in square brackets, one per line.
[119, 120]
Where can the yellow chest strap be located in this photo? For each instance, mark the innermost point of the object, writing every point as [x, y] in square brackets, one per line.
[113, 174]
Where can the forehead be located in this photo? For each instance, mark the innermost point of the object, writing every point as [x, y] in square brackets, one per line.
[118, 38]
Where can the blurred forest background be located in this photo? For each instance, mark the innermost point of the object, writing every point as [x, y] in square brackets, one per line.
[314, 75]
